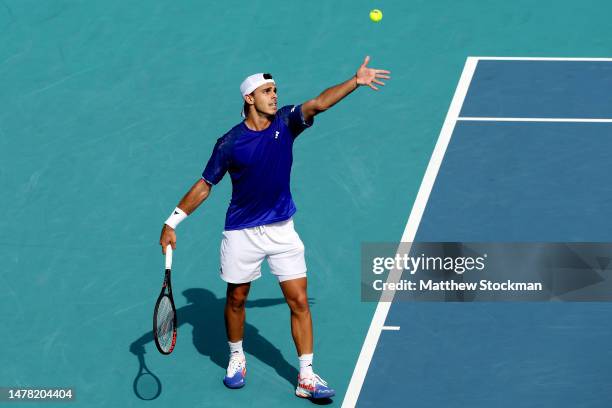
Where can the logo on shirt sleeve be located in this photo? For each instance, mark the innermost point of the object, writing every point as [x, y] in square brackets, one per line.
[276, 134]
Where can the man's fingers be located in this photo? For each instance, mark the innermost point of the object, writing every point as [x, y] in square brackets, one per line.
[376, 81]
[365, 61]
[164, 245]
[383, 76]
[382, 71]
[373, 87]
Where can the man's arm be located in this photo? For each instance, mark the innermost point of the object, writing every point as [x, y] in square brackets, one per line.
[190, 201]
[331, 96]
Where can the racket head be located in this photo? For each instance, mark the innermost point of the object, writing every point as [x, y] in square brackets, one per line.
[164, 319]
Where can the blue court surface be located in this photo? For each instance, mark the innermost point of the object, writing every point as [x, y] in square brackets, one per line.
[523, 157]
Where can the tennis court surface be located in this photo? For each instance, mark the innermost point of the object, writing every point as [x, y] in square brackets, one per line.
[110, 110]
[522, 157]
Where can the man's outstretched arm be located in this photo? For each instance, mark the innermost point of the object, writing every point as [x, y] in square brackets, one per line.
[188, 204]
[331, 96]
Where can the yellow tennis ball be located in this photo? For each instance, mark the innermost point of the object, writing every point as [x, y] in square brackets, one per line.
[376, 15]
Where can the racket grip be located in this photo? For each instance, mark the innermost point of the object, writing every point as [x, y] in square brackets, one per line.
[169, 257]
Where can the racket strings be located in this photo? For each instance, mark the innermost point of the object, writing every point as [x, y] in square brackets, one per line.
[165, 323]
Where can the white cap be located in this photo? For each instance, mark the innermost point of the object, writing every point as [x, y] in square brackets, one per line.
[253, 82]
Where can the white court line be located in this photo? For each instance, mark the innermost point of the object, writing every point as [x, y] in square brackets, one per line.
[576, 120]
[542, 59]
[394, 328]
[382, 309]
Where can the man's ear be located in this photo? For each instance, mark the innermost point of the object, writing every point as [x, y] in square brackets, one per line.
[250, 99]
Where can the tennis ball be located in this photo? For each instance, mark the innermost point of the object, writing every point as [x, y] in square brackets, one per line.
[376, 15]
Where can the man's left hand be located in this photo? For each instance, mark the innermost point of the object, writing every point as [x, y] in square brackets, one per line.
[370, 76]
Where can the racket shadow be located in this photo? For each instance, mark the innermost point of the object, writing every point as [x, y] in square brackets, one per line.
[146, 385]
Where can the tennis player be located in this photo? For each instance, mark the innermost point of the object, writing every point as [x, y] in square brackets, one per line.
[257, 153]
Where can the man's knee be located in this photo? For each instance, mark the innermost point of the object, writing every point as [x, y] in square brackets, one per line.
[236, 297]
[299, 303]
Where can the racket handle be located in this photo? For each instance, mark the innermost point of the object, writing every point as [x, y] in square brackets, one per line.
[169, 257]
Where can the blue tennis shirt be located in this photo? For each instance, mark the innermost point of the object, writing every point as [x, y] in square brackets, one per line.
[259, 164]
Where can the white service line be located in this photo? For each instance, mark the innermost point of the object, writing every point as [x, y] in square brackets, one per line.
[394, 328]
[382, 309]
[542, 59]
[577, 120]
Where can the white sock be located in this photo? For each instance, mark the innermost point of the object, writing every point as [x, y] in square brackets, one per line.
[305, 365]
[236, 348]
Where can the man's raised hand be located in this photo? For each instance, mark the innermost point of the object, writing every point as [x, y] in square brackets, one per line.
[370, 76]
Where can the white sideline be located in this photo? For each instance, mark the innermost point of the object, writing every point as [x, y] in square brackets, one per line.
[382, 309]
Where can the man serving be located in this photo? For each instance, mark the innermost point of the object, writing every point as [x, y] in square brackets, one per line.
[257, 154]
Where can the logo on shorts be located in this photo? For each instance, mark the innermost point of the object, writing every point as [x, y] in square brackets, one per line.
[276, 134]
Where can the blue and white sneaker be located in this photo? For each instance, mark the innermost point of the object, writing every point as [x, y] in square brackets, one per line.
[236, 372]
[313, 387]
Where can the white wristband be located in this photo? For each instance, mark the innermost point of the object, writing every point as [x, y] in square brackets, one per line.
[175, 218]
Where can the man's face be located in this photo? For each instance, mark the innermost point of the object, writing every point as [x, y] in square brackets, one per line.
[265, 99]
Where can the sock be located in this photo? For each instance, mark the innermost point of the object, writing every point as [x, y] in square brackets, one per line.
[305, 365]
[236, 348]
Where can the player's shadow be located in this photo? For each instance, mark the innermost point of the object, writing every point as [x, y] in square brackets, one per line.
[204, 312]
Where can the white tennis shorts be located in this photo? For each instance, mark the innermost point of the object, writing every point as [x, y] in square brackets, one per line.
[243, 251]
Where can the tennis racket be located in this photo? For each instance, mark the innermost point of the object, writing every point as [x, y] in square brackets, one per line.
[164, 315]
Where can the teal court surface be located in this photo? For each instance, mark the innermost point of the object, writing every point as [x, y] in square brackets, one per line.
[110, 111]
